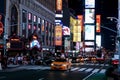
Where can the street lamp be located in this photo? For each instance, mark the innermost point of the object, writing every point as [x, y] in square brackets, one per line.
[111, 18]
[118, 35]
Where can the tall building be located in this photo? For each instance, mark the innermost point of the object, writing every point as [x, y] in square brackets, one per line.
[25, 18]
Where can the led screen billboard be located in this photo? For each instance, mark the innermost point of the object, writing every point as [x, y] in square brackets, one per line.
[34, 43]
[58, 35]
[89, 15]
[58, 5]
[89, 49]
[89, 3]
[89, 43]
[98, 40]
[89, 32]
[98, 22]
[66, 30]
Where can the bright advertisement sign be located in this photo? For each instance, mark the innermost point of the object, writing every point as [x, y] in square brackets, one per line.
[88, 49]
[89, 32]
[76, 37]
[34, 43]
[89, 3]
[72, 23]
[76, 26]
[58, 35]
[89, 15]
[80, 18]
[66, 30]
[77, 31]
[89, 43]
[58, 5]
[98, 22]
[98, 40]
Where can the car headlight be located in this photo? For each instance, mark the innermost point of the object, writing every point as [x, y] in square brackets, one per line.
[64, 65]
[52, 64]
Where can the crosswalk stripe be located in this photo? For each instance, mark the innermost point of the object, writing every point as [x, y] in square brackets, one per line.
[74, 69]
[89, 69]
[95, 70]
[81, 69]
[106, 64]
[102, 71]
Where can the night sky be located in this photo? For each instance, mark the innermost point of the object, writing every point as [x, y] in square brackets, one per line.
[107, 8]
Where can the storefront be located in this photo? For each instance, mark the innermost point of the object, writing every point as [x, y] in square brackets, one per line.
[14, 45]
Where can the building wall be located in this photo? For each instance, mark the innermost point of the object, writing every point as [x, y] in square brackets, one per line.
[43, 27]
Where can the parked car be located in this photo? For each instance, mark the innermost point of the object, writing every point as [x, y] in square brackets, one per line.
[61, 64]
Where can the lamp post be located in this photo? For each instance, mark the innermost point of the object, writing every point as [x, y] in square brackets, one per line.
[118, 35]
[117, 41]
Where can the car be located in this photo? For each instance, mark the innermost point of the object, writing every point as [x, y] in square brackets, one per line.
[115, 60]
[61, 64]
[80, 59]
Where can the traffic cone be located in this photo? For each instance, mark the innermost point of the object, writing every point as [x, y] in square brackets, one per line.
[0, 66]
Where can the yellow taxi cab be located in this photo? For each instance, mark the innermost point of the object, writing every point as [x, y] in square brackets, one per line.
[61, 64]
[93, 59]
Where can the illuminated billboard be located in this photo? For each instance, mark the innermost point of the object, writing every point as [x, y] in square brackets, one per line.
[88, 49]
[89, 16]
[76, 30]
[72, 23]
[89, 43]
[66, 30]
[89, 32]
[58, 5]
[58, 35]
[98, 40]
[34, 43]
[98, 23]
[89, 3]
[76, 37]
[80, 18]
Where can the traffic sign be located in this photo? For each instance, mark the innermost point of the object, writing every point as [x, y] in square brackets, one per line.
[1, 28]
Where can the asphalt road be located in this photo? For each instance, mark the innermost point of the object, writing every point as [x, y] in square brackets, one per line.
[42, 75]
[78, 72]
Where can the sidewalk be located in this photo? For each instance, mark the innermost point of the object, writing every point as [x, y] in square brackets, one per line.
[12, 65]
[97, 76]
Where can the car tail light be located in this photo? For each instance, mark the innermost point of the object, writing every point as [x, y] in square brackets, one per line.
[115, 62]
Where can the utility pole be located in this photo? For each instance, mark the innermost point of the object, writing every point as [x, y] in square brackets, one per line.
[118, 31]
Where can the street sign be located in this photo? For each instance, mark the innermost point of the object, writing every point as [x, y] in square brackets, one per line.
[1, 28]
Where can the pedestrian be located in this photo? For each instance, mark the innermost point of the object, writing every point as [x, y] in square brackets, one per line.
[4, 61]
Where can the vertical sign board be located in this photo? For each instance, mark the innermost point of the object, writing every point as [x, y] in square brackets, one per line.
[1, 28]
[98, 21]
[58, 5]
[58, 35]
[80, 17]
